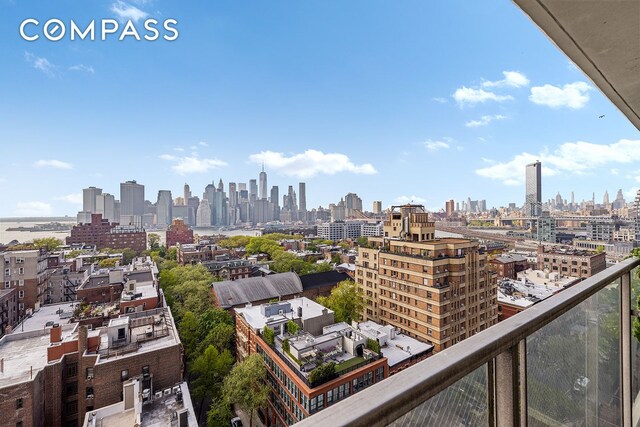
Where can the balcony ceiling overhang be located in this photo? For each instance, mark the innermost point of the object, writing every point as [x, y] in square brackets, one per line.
[602, 37]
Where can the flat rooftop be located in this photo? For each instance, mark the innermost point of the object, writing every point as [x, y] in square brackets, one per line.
[149, 330]
[399, 348]
[532, 287]
[53, 313]
[253, 314]
[157, 413]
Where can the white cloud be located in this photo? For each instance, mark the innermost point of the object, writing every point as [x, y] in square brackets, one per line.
[576, 158]
[511, 79]
[81, 67]
[572, 95]
[311, 163]
[484, 120]
[56, 164]
[204, 144]
[435, 145]
[39, 63]
[401, 200]
[75, 198]
[440, 100]
[466, 95]
[615, 171]
[33, 209]
[186, 165]
[178, 149]
[126, 12]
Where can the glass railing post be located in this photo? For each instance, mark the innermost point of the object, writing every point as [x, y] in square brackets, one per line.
[511, 386]
[626, 398]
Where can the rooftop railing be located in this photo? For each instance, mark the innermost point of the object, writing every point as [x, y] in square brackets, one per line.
[572, 359]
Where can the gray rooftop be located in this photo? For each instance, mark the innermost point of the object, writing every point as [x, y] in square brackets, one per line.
[242, 291]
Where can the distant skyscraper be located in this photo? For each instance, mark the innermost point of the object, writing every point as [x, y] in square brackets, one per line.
[242, 186]
[449, 207]
[105, 205]
[533, 189]
[302, 201]
[131, 198]
[619, 202]
[352, 203]
[253, 189]
[164, 209]
[89, 199]
[275, 202]
[377, 207]
[187, 192]
[203, 217]
[233, 195]
[263, 184]
[605, 199]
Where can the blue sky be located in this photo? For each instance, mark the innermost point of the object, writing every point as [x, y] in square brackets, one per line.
[395, 101]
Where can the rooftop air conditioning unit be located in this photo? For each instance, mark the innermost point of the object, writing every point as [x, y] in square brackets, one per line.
[176, 389]
[158, 394]
[166, 391]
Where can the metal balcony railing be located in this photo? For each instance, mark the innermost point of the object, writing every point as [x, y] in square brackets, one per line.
[572, 360]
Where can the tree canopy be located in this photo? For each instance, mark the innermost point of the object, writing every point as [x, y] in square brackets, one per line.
[345, 300]
[246, 385]
[49, 243]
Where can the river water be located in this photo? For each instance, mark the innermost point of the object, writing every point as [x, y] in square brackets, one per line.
[28, 236]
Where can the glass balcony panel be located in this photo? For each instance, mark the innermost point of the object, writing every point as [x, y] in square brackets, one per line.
[635, 347]
[462, 404]
[573, 365]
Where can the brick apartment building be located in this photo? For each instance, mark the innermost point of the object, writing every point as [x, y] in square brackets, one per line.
[104, 234]
[9, 314]
[436, 290]
[507, 266]
[197, 253]
[319, 341]
[178, 232]
[571, 262]
[54, 375]
[26, 271]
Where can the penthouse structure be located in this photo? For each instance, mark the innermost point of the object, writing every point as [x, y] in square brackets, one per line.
[318, 362]
[54, 373]
[439, 291]
[104, 234]
[571, 262]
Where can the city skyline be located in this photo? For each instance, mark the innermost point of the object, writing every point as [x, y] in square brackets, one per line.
[333, 108]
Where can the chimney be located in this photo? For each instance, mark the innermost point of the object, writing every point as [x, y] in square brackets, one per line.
[82, 339]
[55, 333]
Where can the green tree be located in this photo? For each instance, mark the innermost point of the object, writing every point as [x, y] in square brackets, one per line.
[221, 336]
[172, 253]
[363, 241]
[128, 255]
[599, 249]
[292, 327]
[268, 335]
[235, 242]
[373, 345]
[246, 385]
[210, 369]
[336, 259]
[322, 374]
[345, 300]
[49, 243]
[189, 331]
[219, 414]
[108, 262]
[154, 241]
[259, 245]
